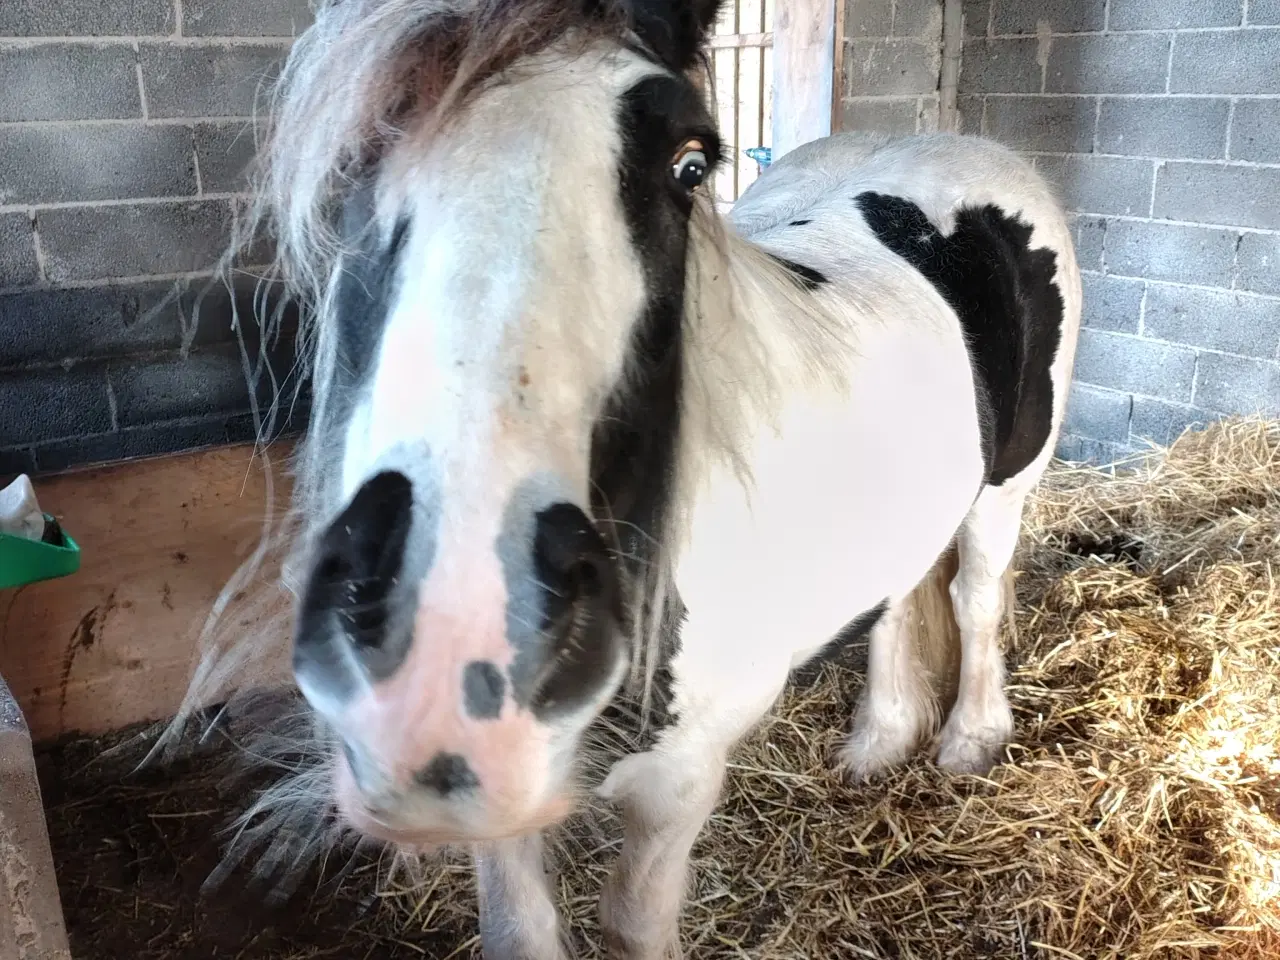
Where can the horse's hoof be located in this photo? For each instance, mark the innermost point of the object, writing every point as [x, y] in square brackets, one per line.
[971, 753]
[620, 946]
[867, 754]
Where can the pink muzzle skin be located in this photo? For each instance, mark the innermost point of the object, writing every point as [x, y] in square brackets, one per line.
[409, 822]
[403, 726]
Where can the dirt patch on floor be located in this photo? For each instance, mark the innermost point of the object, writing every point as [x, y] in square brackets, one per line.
[135, 848]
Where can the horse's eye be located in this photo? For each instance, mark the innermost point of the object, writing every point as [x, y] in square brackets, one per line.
[690, 165]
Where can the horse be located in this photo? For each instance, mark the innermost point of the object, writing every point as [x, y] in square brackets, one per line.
[574, 435]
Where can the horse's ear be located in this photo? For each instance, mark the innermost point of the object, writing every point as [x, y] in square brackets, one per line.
[674, 29]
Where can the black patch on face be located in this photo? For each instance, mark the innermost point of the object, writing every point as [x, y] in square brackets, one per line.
[634, 444]
[801, 223]
[366, 285]
[563, 617]
[1009, 306]
[633, 448]
[483, 689]
[366, 288]
[362, 589]
[447, 773]
[807, 277]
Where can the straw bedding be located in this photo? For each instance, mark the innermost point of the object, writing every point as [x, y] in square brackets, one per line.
[1138, 815]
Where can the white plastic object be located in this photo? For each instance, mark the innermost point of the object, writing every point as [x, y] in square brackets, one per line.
[20, 514]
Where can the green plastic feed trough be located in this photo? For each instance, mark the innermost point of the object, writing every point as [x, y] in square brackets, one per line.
[24, 561]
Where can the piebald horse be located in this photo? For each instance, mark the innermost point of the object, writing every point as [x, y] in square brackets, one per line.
[576, 437]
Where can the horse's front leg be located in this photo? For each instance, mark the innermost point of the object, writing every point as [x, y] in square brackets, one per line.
[518, 918]
[666, 795]
[664, 806]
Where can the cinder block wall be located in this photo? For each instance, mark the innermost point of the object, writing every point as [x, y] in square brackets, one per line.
[123, 138]
[892, 52]
[1160, 121]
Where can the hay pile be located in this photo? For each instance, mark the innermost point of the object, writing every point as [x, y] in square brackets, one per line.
[1139, 815]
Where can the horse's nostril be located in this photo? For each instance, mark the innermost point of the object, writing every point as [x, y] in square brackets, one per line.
[358, 566]
[577, 643]
[572, 558]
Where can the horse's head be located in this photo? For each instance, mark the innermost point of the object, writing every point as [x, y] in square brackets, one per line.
[497, 372]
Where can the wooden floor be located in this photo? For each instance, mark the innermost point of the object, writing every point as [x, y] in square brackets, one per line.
[112, 644]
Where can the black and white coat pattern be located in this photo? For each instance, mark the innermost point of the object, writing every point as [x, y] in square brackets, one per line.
[558, 402]
[948, 267]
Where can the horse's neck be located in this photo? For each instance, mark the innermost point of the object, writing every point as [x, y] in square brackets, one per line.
[753, 322]
[753, 334]
[756, 337]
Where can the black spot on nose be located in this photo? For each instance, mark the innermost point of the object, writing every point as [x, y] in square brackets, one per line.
[447, 773]
[483, 688]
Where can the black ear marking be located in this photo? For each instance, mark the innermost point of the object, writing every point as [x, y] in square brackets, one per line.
[674, 29]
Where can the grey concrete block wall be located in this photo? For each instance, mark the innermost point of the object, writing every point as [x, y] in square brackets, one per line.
[1263, 12]
[124, 133]
[892, 59]
[69, 81]
[1158, 124]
